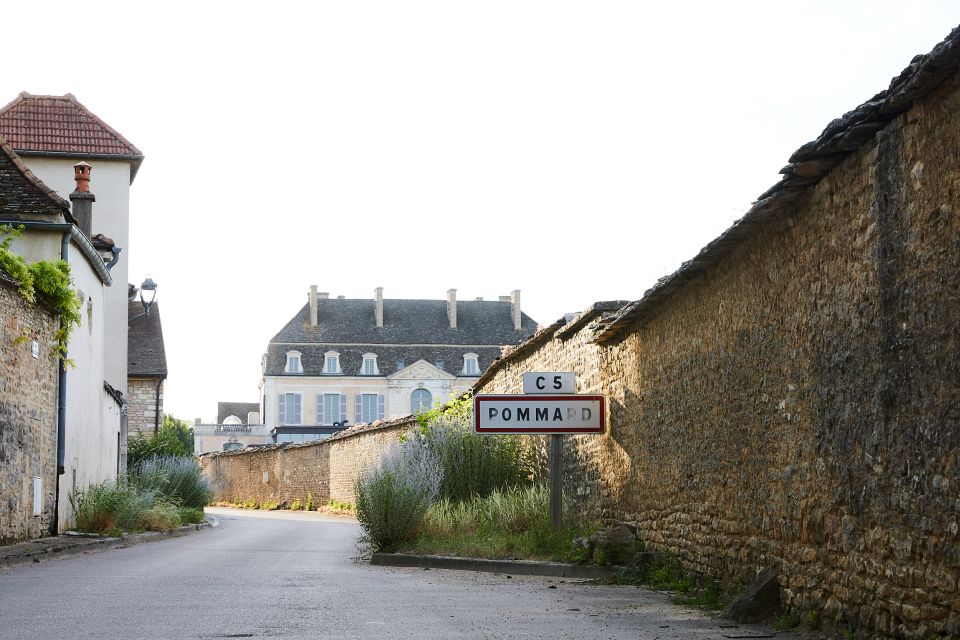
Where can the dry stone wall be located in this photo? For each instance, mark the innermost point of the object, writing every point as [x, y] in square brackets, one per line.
[797, 405]
[28, 416]
[323, 470]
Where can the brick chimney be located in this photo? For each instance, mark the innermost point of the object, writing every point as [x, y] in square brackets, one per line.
[452, 307]
[81, 199]
[515, 307]
[313, 305]
[378, 304]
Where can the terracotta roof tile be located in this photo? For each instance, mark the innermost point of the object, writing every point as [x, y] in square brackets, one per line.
[61, 125]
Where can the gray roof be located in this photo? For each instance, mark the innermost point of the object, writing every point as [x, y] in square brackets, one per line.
[145, 353]
[23, 193]
[239, 409]
[413, 330]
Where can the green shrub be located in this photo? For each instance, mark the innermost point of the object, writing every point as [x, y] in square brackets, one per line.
[296, 505]
[393, 497]
[110, 507]
[162, 516]
[308, 506]
[189, 515]
[173, 479]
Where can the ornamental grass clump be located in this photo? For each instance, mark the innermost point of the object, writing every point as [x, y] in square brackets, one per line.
[173, 479]
[393, 497]
[110, 507]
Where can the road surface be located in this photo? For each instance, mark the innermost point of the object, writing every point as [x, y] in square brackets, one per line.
[290, 575]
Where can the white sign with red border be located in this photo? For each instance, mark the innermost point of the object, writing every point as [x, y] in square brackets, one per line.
[544, 414]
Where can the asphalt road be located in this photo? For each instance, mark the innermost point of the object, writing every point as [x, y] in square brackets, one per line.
[290, 575]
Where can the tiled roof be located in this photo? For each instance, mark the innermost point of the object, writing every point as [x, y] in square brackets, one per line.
[145, 353]
[60, 125]
[23, 193]
[239, 409]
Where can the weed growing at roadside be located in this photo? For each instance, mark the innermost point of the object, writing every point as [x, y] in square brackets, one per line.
[663, 572]
[785, 621]
[189, 515]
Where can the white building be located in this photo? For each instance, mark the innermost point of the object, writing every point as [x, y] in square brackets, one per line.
[341, 362]
[89, 411]
[238, 425]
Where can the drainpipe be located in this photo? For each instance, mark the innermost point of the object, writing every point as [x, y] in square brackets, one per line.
[156, 410]
[61, 409]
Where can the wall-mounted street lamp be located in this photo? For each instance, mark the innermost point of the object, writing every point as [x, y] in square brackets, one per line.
[150, 287]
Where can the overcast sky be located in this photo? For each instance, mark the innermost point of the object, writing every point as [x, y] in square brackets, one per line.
[575, 151]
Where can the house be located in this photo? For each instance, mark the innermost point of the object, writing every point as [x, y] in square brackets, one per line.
[146, 367]
[340, 361]
[238, 425]
[88, 406]
[53, 133]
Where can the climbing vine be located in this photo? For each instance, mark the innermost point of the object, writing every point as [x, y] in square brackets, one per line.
[50, 279]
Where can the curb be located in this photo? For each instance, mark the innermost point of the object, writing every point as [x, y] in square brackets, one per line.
[66, 545]
[513, 567]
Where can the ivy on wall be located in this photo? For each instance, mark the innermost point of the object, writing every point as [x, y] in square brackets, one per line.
[48, 279]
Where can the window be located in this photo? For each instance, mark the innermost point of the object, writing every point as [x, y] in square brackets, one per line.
[439, 363]
[331, 407]
[420, 400]
[369, 407]
[293, 363]
[400, 364]
[470, 365]
[370, 365]
[331, 363]
[290, 408]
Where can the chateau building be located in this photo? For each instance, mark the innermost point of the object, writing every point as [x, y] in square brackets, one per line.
[340, 362]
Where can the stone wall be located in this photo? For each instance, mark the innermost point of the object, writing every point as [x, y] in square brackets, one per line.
[323, 470]
[796, 405]
[28, 416]
[142, 405]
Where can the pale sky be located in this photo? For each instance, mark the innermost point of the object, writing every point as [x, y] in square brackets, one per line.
[574, 150]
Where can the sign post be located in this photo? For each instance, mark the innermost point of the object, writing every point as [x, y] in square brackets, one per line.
[548, 406]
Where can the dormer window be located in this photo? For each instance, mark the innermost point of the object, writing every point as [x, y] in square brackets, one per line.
[369, 365]
[470, 365]
[293, 363]
[439, 363]
[331, 363]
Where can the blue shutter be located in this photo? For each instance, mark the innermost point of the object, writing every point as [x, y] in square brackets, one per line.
[358, 406]
[343, 407]
[296, 409]
[283, 409]
[320, 409]
[380, 406]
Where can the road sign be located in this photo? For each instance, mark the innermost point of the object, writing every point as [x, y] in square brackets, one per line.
[571, 413]
[550, 382]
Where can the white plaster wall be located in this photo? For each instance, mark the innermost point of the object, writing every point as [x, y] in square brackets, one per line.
[110, 183]
[93, 419]
[396, 393]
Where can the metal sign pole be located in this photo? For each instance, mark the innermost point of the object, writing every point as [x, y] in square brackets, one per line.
[556, 481]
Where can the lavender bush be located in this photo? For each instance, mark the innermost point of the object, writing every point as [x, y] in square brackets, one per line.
[393, 498]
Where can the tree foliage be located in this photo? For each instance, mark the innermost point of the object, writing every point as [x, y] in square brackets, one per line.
[174, 438]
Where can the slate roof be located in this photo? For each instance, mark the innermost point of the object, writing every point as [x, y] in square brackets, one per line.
[352, 320]
[60, 125]
[239, 409]
[413, 330]
[806, 167]
[145, 353]
[23, 193]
